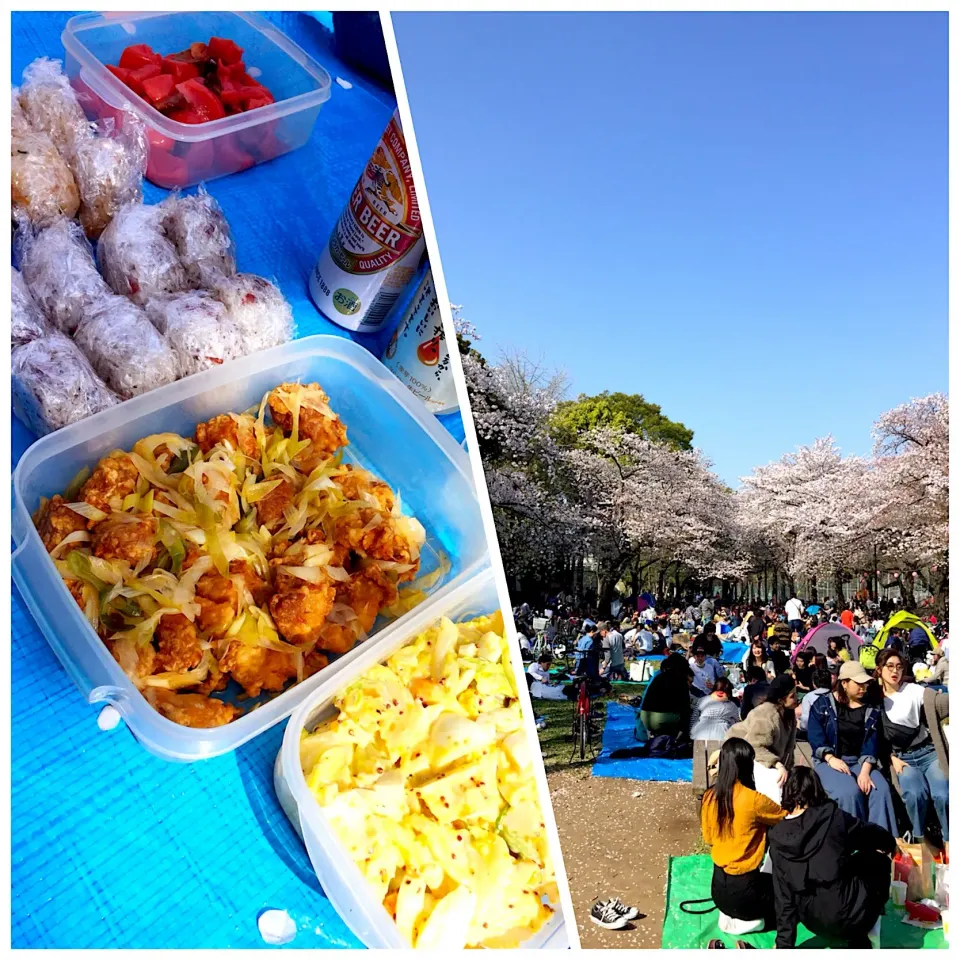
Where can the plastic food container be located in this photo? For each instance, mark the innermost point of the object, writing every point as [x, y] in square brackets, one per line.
[183, 154]
[343, 883]
[390, 433]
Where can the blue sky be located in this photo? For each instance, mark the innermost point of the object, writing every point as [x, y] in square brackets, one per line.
[741, 216]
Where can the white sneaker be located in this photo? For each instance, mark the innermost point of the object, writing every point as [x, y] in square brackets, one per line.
[631, 913]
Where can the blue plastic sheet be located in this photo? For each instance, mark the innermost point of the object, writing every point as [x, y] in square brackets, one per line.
[110, 846]
[620, 734]
[733, 651]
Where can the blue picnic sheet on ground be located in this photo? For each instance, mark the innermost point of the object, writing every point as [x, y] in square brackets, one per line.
[619, 733]
[110, 846]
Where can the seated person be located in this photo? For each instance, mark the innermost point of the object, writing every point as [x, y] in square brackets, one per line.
[715, 714]
[544, 691]
[666, 706]
[757, 656]
[706, 670]
[711, 641]
[844, 733]
[646, 640]
[918, 645]
[803, 671]
[822, 683]
[909, 742]
[755, 692]
[779, 657]
[831, 871]
[734, 819]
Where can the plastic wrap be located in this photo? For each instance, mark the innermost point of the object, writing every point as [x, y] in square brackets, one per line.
[125, 349]
[42, 186]
[199, 230]
[259, 310]
[27, 321]
[136, 258]
[109, 170]
[59, 269]
[52, 107]
[197, 327]
[54, 385]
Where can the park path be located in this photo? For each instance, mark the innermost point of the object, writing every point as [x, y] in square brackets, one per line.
[617, 837]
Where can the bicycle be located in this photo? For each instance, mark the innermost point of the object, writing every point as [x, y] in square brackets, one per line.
[583, 717]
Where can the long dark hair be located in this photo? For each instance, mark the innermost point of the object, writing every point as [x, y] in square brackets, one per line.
[736, 766]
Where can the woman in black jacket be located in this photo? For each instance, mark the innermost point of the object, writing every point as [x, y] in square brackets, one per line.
[831, 871]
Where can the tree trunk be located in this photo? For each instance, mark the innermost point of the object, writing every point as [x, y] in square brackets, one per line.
[906, 591]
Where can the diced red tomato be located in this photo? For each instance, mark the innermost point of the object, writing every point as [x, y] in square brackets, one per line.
[138, 55]
[202, 99]
[158, 88]
[166, 170]
[121, 73]
[186, 115]
[180, 70]
[159, 141]
[224, 50]
[232, 156]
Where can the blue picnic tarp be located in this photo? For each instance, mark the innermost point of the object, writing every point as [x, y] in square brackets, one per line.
[619, 733]
[733, 651]
[110, 846]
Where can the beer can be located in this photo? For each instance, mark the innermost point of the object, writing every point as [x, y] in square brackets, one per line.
[375, 248]
[417, 353]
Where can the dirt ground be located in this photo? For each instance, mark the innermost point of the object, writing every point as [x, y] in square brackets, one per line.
[616, 837]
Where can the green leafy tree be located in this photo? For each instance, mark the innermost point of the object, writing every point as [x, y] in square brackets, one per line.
[621, 412]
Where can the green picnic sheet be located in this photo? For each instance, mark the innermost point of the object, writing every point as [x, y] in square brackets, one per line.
[689, 879]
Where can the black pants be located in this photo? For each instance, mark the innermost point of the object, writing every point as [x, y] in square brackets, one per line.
[745, 896]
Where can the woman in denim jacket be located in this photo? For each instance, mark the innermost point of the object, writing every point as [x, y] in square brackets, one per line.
[844, 735]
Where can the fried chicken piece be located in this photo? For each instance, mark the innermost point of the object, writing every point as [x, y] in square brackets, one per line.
[217, 597]
[236, 432]
[341, 551]
[299, 609]
[384, 541]
[270, 508]
[318, 423]
[78, 591]
[314, 662]
[145, 653]
[192, 709]
[366, 592]
[56, 521]
[178, 644]
[257, 668]
[260, 590]
[359, 484]
[115, 477]
[120, 538]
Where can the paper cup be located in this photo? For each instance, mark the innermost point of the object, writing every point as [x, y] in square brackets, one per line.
[898, 892]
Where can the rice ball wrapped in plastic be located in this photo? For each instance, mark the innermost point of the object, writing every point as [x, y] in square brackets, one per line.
[27, 322]
[52, 107]
[53, 384]
[109, 170]
[136, 258]
[125, 349]
[60, 271]
[198, 328]
[258, 308]
[42, 186]
[199, 230]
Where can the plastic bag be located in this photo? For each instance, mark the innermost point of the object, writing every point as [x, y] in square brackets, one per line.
[125, 349]
[136, 258]
[27, 321]
[53, 384]
[109, 170]
[199, 230]
[52, 107]
[259, 310]
[913, 865]
[59, 269]
[42, 186]
[197, 327]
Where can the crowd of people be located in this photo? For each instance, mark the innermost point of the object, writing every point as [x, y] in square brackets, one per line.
[791, 843]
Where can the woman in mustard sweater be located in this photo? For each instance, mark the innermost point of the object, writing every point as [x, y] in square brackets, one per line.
[734, 819]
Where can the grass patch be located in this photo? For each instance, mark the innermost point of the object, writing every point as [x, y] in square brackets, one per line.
[556, 740]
